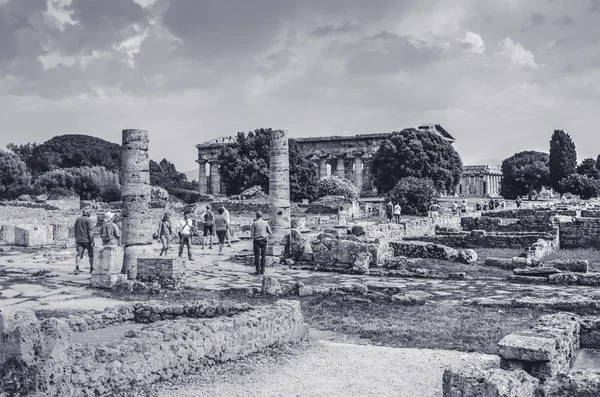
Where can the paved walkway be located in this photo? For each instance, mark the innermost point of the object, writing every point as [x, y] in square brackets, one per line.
[27, 280]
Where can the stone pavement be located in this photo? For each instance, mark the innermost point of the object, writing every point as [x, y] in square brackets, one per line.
[27, 280]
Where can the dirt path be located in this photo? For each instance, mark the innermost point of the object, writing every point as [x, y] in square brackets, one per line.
[326, 369]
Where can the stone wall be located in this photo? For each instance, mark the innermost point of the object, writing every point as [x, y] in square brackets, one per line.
[532, 223]
[487, 240]
[38, 358]
[580, 233]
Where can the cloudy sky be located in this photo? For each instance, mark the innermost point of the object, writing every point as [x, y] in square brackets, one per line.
[500, 75]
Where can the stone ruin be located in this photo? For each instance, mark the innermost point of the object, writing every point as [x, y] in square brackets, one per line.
[280, 215]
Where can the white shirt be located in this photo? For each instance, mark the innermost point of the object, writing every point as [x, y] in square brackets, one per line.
[187, 225]
[226, 215]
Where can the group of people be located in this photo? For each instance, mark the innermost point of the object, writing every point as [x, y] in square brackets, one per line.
[492, 205]
[393, 210]
[184, 230]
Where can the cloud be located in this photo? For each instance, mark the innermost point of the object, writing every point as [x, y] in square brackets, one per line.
[328, 30]
[565, 20]
[518, 55]
[535, 19]
[473, 42]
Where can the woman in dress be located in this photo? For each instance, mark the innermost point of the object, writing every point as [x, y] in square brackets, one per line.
[221, 228]
[165, 232]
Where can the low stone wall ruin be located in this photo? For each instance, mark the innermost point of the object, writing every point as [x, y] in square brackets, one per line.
[27, 235]
[580, 233]
[39, 358]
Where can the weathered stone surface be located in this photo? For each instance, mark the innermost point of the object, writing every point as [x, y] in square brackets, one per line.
[527, 348]
[417, 249]
[298, 244]
[577, 383]
[361, 264]
[520, 263]
[344, 251]
[475, 382]
[161, 267]
[137, 231]
[270, 286]
[358, 231]
[279, 185]
[24, 197]
[328, 205]
[42, 198]
[135, 139]
[387, 287]
[542, 271]
[588, 279]
[7, 234]
[250, 192]
[136, 190]
[590, 332]
[108, 260]
[34, 236]
[467, 256]
[528, 279]
[107, 280]
[131, 253]
[478, 233]
[570, 265]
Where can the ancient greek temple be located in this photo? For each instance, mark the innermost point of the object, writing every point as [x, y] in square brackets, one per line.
[480, 181]
[348, 157]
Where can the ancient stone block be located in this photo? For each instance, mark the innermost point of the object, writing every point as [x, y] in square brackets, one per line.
[298, 244]
[475, 382]
[158, 267]
[131, 254]
[519, 262]
[478, 233]
[542, 271]
[570, 265]
[418, 249]
[18, 330]
[527, 348]
[467, 256]
[135, 139]
[136, 190]
[361, 264]
[62, 232]
[137, 231]
[107, 280]
[528, 279]
[577, 383]
[270, 286]
[588, 279]
[279, 185]
[135, 161]
[7, 234]
[358, 231]
[135, 177]
[109, 260]
[34, 236]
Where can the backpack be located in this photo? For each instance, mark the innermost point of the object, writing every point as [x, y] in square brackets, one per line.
[209, 217]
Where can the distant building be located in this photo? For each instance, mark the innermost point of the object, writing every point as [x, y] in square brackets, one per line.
[480, 181]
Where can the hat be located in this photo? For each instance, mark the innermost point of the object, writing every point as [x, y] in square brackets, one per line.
[108, 216]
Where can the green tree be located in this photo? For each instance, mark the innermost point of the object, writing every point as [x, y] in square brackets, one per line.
[335, 186]
[562, 159]
[245, 163]
[420, 154]
[523, 172]
[24, 151]
[14, 176]
[68, 151]
[588, 168]
[414, 195]
[581, 185]
[89, 183]
[164, 174]
[598, 162]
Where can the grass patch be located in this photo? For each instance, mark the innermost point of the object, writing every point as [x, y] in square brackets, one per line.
[432, 326]
[483, 253]
[445, 267]
[589, 254]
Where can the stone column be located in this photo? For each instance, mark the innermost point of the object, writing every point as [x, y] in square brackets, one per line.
[340, 170]
[202, 181]
[323, 167]
[215, 178]
[486, 181]
[367, 186]
[349, 171]
[137, 221]
[358, 172]
[279, 191]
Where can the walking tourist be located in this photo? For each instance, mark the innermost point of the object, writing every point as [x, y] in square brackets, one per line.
[454, 207]
[165, 232]
[389, 210]
[209, 222]
[502, 204]
[228, 234]
[434, 209]
[84, 238]
[485, 206]
[492, 206]
[109, 231]
[518, 201]
[221, 227]
[397, 212]
[342, 217]
[478, 205]
[260, 231]
[186, 229]
[463, 207]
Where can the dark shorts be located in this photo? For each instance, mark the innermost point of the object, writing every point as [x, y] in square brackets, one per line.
[389, 215]
[82, 247]
[208, 230]
[221, 234]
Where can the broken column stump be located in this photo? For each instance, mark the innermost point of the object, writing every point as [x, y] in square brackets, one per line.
[107, 267]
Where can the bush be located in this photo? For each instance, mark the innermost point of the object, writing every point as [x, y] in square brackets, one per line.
[581, 185]
[414, 195]
[89, 183]
[15, 179]
[336, 186]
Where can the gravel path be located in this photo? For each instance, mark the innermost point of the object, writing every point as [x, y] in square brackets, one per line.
[324, 369]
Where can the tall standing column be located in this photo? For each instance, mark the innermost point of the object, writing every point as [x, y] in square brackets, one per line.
[486, 186]
[215, 178]
[367, 177]
[349, 171]
[137, 221]
[358, 172]
[340, 169]
[279, 190]
[322, 167]
[202, 181]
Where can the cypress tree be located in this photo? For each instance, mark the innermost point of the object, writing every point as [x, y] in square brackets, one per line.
[563, 158]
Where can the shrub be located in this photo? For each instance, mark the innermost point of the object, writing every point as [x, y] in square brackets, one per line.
[414, 195]
[89, 183]
[336, 186]
[15, 179]
[581, 185]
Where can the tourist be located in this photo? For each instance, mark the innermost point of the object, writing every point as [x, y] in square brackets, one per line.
[109, 231]
[397, 212]
[389, 210]
[454, 207]
[434, 209]
[463, 207]
[518, 201]
[478, 205]
[221, 228]
[260, 231]
[502, 204]
[342, 217]
[228, 234]
[485, 206]
[496, 204]
[84, 238]
[492, 206]
[165, 232]
[209, 221]
[186, 230]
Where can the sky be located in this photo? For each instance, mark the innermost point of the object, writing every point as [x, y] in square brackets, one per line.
[499, 75]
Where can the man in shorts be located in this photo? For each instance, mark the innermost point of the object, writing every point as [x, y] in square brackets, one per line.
[84, 238]
[209, 227]
[389, 211]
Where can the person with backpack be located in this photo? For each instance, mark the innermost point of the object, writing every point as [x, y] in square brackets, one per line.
[209, 226]
[186, 230]
[109, 231]
[84, 238]
[164, 233]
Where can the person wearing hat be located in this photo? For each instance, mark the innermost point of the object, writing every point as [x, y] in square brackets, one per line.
[109, 231]
[84, 238]
[260, 231]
